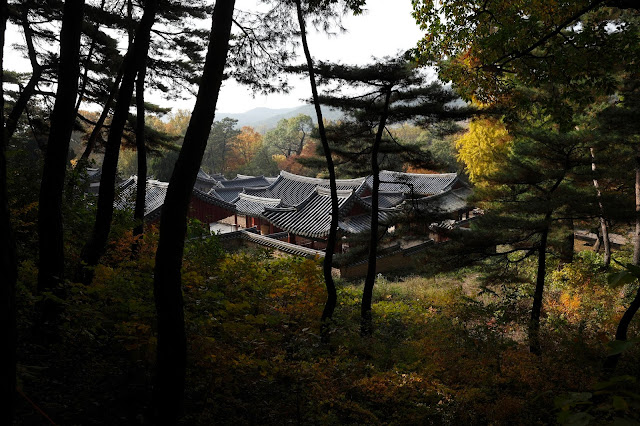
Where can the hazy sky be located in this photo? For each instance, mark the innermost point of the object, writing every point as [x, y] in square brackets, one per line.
[386, 28]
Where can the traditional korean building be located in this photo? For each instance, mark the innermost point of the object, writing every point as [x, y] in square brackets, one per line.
[155, 194]
[204, 181]
[203, 206]
[416, 185]
[293, 189]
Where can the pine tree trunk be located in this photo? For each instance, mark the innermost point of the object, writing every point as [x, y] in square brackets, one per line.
[534, 324]
[604, 229]
[8, 264]
[141, 148]
[621, 332]
[366, 320]
[567, 251]
[636, 236]
[167, 287]
[327, 265]
[97, 243]
[51, 270]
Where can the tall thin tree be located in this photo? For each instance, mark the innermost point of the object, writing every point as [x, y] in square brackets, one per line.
[96, 245]
[141, 150]
[50, 230]
[327, 265]
[167, 282]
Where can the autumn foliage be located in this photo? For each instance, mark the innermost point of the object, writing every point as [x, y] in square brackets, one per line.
[445, 348]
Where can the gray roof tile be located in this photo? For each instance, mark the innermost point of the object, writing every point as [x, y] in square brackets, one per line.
[415, 183]
[254, 206]
[245, 182]
[294, 189]
[312, 217]
[156, 191]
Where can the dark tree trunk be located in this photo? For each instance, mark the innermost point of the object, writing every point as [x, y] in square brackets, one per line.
[95, 133]
[327, 265]
[534, 324]
[141, 148]
[301, 144]
[567, 251]
[604, 229]
[8, 263]
[366, 320]
[636, 236]
[51, 270]
[167, 287]
[621, 332]
[97, 243]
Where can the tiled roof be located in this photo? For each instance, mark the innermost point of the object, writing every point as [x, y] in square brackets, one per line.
[156, 191]
[415, 183]
[248, 182]
[251, 234]
[283, 246]
[355, 224]
[294, 189]
[229, 195]
[215, 178]
[312, 217]
[213, 199]
[446, 202]
[254, 206]
[94, 174]
[386, 199]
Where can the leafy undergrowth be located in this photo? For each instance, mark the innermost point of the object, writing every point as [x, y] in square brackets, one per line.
[445, 350]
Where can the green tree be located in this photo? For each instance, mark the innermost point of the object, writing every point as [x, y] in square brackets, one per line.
[216, 156]
[584, 50]
[290, 135]
[394, 92]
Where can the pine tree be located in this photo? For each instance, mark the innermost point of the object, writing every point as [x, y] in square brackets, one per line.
[167, 286]
[134, 61]
[51, 271]
[394, 92]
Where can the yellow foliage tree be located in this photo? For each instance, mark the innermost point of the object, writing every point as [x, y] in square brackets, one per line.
[484, 148]
[244, 147]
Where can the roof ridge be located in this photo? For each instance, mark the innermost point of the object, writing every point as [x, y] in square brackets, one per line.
[246, 196]
[419, 174]
[342, 193]
[318, 181]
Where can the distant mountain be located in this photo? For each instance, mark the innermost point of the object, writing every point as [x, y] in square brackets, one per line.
[263, 119]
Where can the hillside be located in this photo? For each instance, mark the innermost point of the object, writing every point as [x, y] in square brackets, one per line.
[263, 119]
